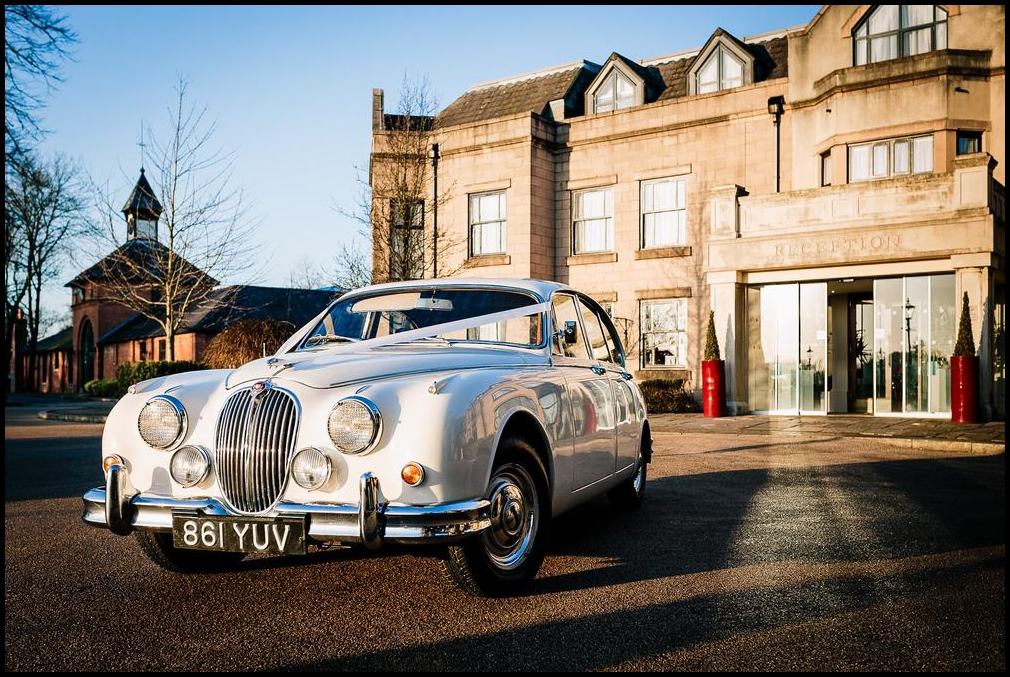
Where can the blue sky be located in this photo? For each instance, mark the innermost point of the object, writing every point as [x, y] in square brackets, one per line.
[290, 87]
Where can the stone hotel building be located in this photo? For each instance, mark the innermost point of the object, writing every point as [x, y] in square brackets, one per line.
[828, 190]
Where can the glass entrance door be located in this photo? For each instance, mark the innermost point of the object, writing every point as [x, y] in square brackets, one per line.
[860, 354]
[913, 340]
[787, 325]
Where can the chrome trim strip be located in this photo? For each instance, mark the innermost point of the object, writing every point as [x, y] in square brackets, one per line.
[440, 523]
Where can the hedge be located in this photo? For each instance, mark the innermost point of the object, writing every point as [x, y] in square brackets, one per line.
[103, 387]
[668, 396]
[135, 372]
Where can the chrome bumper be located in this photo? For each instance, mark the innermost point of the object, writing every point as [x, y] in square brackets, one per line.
[121, 509]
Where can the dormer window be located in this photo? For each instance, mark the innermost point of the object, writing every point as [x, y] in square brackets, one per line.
[893, 31]
[616, 92]
[722, 70]
[723, 63]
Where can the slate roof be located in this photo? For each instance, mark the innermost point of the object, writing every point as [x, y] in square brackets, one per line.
[143, 254]
[530, 95]
[226, 305]
[142, 199]
[664, 80]
[61, 340]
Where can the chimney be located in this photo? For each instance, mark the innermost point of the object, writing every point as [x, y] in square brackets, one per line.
[377, 110]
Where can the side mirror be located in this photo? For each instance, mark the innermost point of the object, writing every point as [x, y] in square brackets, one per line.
[570, 332]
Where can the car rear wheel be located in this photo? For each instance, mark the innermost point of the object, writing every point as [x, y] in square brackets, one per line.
[628, 495]
[505, 558]
[159, 549]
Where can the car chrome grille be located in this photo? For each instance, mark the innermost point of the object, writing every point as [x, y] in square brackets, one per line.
[254, 444]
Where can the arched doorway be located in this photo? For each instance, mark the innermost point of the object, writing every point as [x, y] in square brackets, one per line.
[87, 351]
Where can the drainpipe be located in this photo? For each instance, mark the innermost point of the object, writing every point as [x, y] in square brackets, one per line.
[434, 210]
[776, 105]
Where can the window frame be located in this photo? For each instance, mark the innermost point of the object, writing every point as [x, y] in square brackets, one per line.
[396, 225]
[899, 35]
[970, 135]
[826, 169]
[642, 304]
[611, 82]
[577, 219]
[680, 189]
[720, 82]
[890, 144]
[502, 221]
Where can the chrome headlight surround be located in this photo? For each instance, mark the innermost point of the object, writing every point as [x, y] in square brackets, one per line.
[350, 406]
[182, 421]
[201, 455]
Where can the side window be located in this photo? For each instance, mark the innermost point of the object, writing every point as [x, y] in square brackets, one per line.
[594, 333]
[592, 313]
[616, 349]
[565, 310]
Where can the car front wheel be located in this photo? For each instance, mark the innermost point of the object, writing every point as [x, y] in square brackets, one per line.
[505, 558]
[159, 549]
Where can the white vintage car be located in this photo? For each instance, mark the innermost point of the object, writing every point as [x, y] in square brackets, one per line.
[458, 412]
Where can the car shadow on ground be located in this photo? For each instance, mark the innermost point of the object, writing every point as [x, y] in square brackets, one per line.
[838, 516]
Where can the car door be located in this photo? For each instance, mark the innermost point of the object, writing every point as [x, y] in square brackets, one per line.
[627, 414]
[590, 393]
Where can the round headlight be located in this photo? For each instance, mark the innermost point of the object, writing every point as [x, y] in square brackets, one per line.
[162, 421]
[310, 468]
[189, 466]
[354, 425]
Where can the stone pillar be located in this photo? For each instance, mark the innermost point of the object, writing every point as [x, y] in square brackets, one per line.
[724, 211]
[728, 303]
[974, 274]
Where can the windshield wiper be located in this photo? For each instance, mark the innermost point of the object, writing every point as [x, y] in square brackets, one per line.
[329, 338]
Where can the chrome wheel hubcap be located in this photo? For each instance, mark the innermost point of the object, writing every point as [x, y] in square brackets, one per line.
[514, 516]
[639, 481]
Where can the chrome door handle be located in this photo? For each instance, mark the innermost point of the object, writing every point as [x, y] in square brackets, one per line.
[598, 370]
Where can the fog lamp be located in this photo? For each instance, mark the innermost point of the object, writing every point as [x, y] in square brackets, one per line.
[189, 465]
[311, 468]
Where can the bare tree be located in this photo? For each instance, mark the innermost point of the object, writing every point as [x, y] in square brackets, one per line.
[398, 200]
[46, 214]
[348, 270]
[36, 41]
[203, 234]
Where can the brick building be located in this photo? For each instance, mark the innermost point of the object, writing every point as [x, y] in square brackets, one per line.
[828, 190]
[105, 334]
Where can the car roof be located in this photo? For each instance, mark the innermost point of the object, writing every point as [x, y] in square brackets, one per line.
[541, 288]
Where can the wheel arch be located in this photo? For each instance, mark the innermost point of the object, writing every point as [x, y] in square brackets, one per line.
[524, 425]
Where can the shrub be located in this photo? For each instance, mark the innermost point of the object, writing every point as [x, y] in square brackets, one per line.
[668, 396]
[965, 346]
[711, 341]
[135, 372]
[103, 387]
[245, 341]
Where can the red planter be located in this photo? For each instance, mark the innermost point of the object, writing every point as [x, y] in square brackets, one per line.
[713, 382]
[963, 389]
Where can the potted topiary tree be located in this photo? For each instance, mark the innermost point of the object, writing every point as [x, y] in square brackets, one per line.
[964, 371]
[713, 374]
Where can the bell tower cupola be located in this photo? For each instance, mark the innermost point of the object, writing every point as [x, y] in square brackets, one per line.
[142, 211]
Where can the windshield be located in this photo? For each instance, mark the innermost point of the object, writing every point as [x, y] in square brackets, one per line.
[397, 310]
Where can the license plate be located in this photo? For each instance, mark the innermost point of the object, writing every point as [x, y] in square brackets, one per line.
[282, 536]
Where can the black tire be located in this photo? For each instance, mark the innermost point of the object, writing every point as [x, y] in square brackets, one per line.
[487, 565]
[159, 549]
[629, 494]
